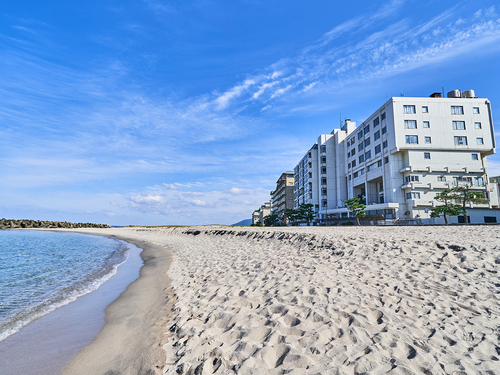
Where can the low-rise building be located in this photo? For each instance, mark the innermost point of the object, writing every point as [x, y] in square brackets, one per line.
[259, 215]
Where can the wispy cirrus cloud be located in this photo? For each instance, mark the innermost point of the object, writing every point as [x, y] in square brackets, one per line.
[371, 53]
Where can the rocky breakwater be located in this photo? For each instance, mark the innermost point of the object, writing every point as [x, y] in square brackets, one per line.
[11, 224]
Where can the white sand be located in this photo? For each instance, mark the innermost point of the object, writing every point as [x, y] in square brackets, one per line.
[376, 300]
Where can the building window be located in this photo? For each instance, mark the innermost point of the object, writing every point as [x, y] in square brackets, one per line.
[349, 177]
[360, 135]
[348, 165]
[410, 124]
[376, 122]
[323, 180]
[383, 116]
[441, 178]
[323, 148]
[475, 157]
[480, 141]
[290, 205]
[324, 203]
[370, 168]
[379, 163]
[478, 181]
[384, 144]
[461, 140]
[457, 110]
[427, 155]
[477, 125]
[475, 110]
[376, 135]
[367, 142]
[377, 149]
[323, 159]
[408, 109]
[353, 163]
[384, 130]
[412, 139]
[353, 139]
[411, 179]
[323, 170]
[355, 174]
[362, 172]
[353, 152]
[361, 158]
[323, 191]
[427, 139]
[348, 154]
[459, 125]
[360, 146]
[425, 109]
[368, 155]
[427, 124]
[413, 195]
[367, 129]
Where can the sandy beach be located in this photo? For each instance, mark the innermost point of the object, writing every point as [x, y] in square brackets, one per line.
[374, 300]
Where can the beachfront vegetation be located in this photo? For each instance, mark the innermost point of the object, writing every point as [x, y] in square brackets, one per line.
[271, 220]
[462, 194]
[305, 212]
[356, 207]
[447, 196]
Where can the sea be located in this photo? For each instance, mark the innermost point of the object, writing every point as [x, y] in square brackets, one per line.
[41, 271]
[54, 289]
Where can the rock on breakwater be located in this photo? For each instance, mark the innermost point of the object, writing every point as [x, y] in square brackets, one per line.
[13, 224]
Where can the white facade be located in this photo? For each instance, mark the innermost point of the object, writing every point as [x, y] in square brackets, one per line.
[405, 153]
[306, 179]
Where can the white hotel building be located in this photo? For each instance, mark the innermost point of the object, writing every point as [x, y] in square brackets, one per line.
[398, 159]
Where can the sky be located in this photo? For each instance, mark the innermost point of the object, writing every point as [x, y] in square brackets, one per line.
[156, 112]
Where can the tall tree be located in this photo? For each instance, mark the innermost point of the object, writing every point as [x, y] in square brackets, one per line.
[357, 208]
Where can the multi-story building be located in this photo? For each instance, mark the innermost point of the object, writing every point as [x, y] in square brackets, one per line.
[306, 181]
[283, 195]
[259, 215]
[399, 158]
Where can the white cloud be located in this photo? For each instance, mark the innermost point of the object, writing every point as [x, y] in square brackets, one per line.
[223, 100]
[147, 199]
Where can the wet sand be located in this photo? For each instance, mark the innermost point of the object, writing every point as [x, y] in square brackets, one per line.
[132, 339]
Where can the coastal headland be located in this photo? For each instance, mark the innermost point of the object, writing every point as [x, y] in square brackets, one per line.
[308, 300]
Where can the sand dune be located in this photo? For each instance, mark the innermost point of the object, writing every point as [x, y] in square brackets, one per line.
[398, 300]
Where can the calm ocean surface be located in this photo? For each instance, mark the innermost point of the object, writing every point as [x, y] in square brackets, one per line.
[41, 271]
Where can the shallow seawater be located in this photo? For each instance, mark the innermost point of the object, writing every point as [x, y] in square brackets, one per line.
[41, 271]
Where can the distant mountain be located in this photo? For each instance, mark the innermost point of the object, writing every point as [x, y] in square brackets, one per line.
[243, 223]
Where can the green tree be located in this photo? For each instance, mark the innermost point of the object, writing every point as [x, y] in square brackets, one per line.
[447, 208]
[306, 212]
[466, 196]
[291, 215]
[357, 208]
[271, 220]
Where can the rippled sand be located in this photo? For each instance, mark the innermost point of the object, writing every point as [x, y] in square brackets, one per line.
[376, 300]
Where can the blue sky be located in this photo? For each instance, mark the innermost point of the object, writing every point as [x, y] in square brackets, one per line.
[186, 112]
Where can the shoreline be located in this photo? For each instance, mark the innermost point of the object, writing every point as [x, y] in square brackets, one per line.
[132, 338]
